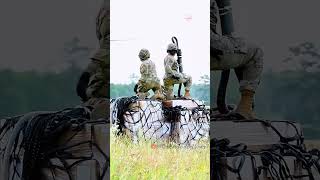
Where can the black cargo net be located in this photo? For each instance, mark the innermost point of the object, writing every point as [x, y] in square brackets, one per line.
[150, 120]
[29, 144]
[288, 159]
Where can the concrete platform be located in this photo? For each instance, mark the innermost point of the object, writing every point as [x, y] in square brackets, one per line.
[255, 135]
[258, 137]
[148, 120]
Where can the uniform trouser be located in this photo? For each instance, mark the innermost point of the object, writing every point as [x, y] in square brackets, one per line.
[99, 67]
[186, 80]
[100, 108]
[145, 86]
[249, 63]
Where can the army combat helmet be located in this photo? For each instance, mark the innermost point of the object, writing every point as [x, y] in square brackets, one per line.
[144, 54]
[172, 47]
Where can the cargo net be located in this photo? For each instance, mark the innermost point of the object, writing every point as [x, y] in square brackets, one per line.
[42, 145]
[289, 159]
[150, 120]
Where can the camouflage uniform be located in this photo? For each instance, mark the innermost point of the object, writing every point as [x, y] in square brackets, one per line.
[172, 76]
[98, 68]
[93, 84]
[149, 79]
[235, 53]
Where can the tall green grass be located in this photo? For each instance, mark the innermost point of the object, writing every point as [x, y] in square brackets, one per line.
[149, 160]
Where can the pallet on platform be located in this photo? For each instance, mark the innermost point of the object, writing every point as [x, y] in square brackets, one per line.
[255, 135]
[89, 169]
[181, 121]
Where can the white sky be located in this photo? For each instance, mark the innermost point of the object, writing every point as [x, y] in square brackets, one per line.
[151, 24]
[33, 33]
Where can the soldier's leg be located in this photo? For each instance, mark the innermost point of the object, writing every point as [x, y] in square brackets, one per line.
[156, 88]
[168, 86]
[100, 108]
[250, 78]
[187, 82]
[249, 66]
[143, 90]
[252, 70]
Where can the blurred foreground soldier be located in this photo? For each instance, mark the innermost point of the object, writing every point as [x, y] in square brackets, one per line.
[228, 52]
[173, 76]
[149, 79]
[92, 86]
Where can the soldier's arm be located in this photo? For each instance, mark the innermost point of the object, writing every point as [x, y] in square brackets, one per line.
[169, 70]
[84, 79]
[102, 21]
[82, 86]
[213, 16]
[143, 69]
[104, 28]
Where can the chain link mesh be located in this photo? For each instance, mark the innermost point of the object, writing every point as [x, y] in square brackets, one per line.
[28, 145]
[151, 120]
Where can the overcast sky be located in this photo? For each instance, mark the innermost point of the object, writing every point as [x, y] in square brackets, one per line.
[33, 32]
[151, 24]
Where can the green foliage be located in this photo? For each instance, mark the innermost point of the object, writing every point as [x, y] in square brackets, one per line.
[198, 91]
[119, 90]
[22, 92]
[160, 160]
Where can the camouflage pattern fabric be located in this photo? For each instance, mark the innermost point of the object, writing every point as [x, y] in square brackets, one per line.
[172, 76]
[100, 108]
[148, 80]
[103, 34]
[97, 86]
[98, 67]
[235, 53]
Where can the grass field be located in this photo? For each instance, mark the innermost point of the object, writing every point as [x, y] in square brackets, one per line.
[312, 144]
[148, 160]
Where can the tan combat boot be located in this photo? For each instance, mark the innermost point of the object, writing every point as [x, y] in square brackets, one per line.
[143, 95]
[244, 107]
[187, 94]
[158, 96]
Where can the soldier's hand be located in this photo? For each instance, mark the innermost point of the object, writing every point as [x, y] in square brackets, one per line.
[177, 76]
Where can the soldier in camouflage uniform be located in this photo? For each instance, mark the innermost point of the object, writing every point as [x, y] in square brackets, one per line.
[173, 76]
[92, 86]
[228, 52]
[149, 79]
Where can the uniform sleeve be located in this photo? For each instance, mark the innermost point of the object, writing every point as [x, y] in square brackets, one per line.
[92, 67]
[143, 69]
[103, 34]
[168, 67]
[102, 24]
[213, 16]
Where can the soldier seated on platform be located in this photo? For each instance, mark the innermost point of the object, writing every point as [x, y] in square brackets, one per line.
[229, 52]
[172, 75]
[149, 79]
[92, 86]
